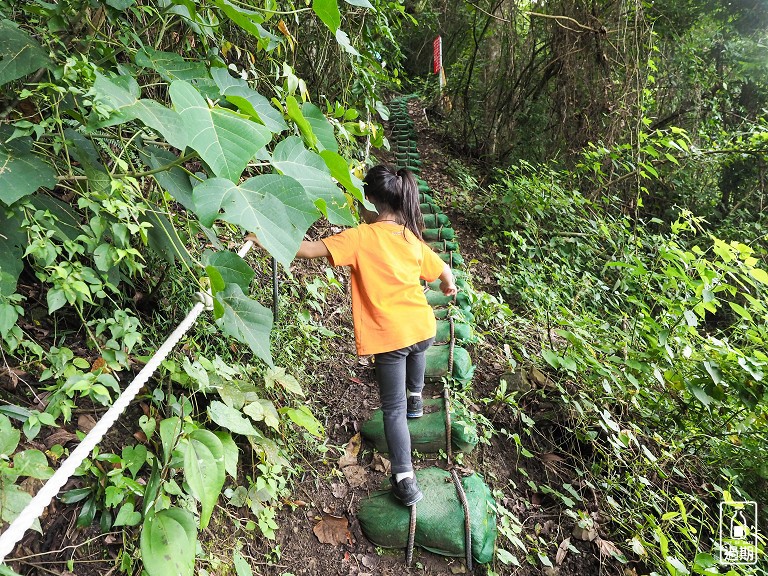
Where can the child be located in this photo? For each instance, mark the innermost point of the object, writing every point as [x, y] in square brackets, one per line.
[392, 319]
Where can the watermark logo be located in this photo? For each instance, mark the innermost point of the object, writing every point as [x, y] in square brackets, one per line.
[738, 532]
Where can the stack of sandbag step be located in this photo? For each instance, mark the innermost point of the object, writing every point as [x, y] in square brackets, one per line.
[456, 516]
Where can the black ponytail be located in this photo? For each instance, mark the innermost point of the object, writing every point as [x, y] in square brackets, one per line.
[397, 192]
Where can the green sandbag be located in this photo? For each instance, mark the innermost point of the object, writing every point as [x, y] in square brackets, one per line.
[444, 246]
[435, 234]
[461, 332]
[427, 432]
[424, 188]
[458, 275]
[437, 358]
[411, 168]
[456, 313]
[439, 517]
[436, 220]
[429, 208]
[425, 198]
[437, 299]
[453, 259]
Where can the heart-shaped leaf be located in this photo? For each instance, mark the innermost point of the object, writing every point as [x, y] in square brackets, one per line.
[246, 320]
[274, 207]
[250, 102]
[231, 452]
[293, 159]
[151, 113]
[231, 268]
[204, 470]
[328, 12]
[321, 128]
[21, 171]
[168, 541]
[20, 54]
[231, 419]
[169, 435]
[127, 516]
[224, 139]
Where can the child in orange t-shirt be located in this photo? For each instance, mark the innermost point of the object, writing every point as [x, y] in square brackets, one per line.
[391, 316]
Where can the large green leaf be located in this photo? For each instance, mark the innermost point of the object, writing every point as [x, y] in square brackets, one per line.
[32, 463]
[13, 242]
[248, 20]
[274, 207]
[20, 54]
[9, 436]
[231, 452]
[128, 107]
[83, 150]
[174, 180]
[164, 239]
[168, 542]
[13, 499]
[293, 159]
[321, 128]
[224, 139]
[21, 171]
[204, 470]
[231, 419]
[246, 320]
[295, 114]
[340, 170]
[172, 67]
[231, 268]
[328, 12]
[250, 102]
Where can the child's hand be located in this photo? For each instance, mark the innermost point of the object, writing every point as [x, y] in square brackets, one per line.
[448, 287]
[251, 237]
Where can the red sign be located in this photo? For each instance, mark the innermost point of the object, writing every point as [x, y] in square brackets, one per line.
[437, 55]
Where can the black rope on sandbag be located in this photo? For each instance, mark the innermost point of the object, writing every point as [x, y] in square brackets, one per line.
[448, 440]
[451, 345]
[411, 537]
[467, 524]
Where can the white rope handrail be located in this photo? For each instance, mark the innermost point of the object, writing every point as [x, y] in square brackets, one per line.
[15, 532]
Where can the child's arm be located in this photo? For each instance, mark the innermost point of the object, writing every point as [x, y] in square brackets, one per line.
[312, 249]
[308, 249]
[447, 284]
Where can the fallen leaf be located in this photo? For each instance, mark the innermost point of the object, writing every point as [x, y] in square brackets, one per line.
[458, 568]
[339, 490]
[60, 437]
[141, 437]
[381, 464]
[356, 475]
[333, 530]
[368, 561]
[550, 457]
[356, 380]
[607, 548]
[586, 534]
[562, 550]
[351, 451]
[86, 422]
[99, 365]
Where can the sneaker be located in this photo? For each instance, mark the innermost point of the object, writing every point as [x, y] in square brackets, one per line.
[407, 490]
[415, 407]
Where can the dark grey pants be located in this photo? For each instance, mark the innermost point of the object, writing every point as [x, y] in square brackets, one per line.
[396, 372]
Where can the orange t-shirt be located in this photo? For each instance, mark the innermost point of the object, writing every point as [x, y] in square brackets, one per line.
[389, 309]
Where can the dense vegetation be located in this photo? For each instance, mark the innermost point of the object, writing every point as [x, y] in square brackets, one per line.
[613, 156]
